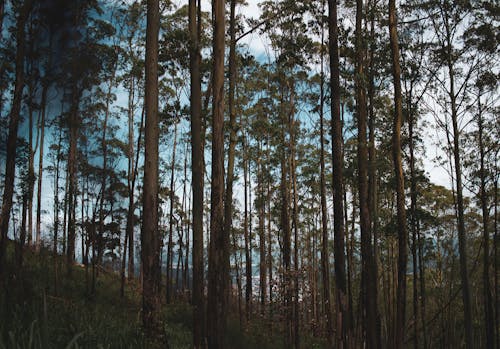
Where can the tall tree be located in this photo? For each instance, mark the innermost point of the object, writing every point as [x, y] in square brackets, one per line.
[218, 258]
[10, 163]
[150, 239]
[197, 161]
[398, 168]
[343, 327]
[368, 282]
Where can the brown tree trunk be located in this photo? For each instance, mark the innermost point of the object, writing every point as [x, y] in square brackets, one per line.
[248, 241]
[10, 162]
[398, 168]
[488, 303]
[150, 239]
[369, 282]
[218, 261]
[197, 164]
[343, 327]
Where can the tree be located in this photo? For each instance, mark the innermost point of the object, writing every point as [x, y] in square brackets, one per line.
[343, 326]
[218, 258]
[197, 162]
[369, 282]
[10, 165]
[398, 168]
[150, 239]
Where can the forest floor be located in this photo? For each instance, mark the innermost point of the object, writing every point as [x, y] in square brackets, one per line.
[42, 307]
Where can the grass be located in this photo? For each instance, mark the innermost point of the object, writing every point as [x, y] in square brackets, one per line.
[37, 314]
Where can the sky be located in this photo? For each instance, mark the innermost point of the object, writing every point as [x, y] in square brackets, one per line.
[433, 138]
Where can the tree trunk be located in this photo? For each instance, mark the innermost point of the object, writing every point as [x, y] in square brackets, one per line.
[295, 222]
[218, 261]
[369, 282]
[10, 163]
[248, 238]
[150, 239]
[398, 168]
[343, 327]
[462, 240]
[488, 304]
[170, 257]
[197, 164]
[285, 229]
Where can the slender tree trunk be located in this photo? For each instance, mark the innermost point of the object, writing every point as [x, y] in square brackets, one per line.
[369, 282]
[170, 257]
[398, 168]
[10, 163]
[248, 248]
[71, 179]
[295, 222]
[43, 105]
[325, 255]
[197, 163]
[22, 234]
[343, 327]
[285, 229]
[131, 184]
[413, 218]
[150, 239]
[218, 259]
[462, 239]
[488, 304]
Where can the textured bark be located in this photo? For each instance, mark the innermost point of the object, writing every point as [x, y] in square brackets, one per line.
[369, 282]
[343, 329]
[150, 240]
[398, 168]
[218, 259]
[10, 162]
[488, 302]
[197, 163]
[228, 200]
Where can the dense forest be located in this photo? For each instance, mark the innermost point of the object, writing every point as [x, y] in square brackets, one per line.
[270, 174]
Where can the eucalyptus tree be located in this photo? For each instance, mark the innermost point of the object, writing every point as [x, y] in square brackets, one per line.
[150, 239]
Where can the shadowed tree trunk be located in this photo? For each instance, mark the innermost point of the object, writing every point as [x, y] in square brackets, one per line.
[150, 240]
[398, 168]
[488, 304]
[343, 327]
[197, 177]
[369, 282]
[10, 162]
[218, 259]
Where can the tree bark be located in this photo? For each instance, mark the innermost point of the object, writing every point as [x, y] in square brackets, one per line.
[150, 240]
[369, 282]
[10, 163]
[197, 164]
[343, 327]
[218, 267]
[488, 303]
[398, 168]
